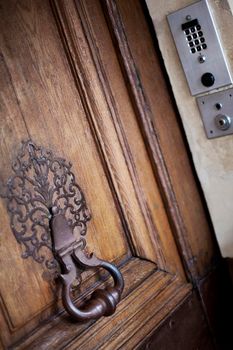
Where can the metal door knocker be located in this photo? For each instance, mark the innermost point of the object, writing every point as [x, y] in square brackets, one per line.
[48, 217]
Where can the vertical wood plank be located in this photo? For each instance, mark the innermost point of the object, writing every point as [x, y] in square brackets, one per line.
[129, 134]
[100, 117]
[163, 139]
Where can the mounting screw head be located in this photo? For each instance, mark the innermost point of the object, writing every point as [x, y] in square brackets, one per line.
[201, 58]
[218, 105]
[55, 210]
[188, 17]
[69, 267]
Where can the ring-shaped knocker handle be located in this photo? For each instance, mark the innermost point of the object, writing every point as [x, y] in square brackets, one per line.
[102, 302]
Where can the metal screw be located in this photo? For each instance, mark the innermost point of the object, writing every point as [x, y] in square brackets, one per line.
[54, 210]
[69, 267]
[218, 105]
[202, 59]
[188, 17]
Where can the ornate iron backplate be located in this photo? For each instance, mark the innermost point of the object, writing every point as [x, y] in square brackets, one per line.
[41, 183]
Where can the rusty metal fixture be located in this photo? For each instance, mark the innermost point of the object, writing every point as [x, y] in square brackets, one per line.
[72, 255]
[42, 181]
[48, 216]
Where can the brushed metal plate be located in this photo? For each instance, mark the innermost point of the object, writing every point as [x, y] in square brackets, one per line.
[214, 61]
[208, 108]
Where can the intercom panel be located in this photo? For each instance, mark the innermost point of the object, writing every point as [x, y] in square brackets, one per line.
[199, 48]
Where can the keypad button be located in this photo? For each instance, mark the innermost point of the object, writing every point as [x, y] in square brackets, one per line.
[195, 38]
[208, 79]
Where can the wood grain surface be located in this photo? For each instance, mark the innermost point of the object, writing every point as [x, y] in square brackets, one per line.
[72, 76]
[160, 124]
[135, 316]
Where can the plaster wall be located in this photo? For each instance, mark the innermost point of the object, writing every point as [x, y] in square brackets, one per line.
[213, 159]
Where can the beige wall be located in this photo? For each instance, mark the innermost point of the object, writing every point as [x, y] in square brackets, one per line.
[213, 159]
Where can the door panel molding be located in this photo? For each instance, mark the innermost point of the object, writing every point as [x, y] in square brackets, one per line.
[109, 134]
[162, 135]
[82, 11]
[134, 318]
[145, 119]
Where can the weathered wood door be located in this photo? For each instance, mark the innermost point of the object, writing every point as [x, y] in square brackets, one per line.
[62, 87]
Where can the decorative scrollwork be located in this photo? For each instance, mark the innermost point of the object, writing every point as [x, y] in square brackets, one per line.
[42, 182]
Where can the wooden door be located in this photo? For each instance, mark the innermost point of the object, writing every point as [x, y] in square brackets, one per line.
[62, 87]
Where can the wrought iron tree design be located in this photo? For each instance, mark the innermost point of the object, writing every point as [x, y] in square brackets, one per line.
[41, 183]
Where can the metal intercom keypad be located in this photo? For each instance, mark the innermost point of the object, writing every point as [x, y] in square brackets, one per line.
[194, 36]
[199, 48]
